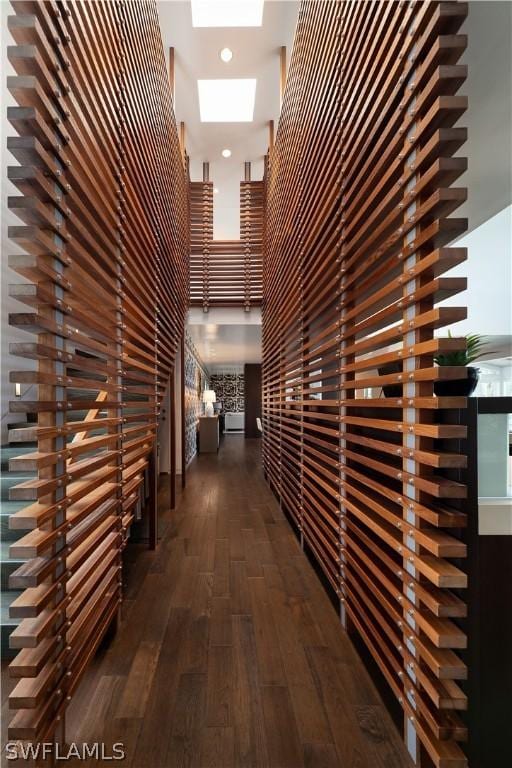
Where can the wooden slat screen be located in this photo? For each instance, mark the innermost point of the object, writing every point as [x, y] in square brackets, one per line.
[358, 199]
[226, 273]
[251, 239]
[201, 236]
[105, 229]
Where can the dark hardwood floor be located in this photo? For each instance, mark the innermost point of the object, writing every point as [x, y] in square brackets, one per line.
[229, 653]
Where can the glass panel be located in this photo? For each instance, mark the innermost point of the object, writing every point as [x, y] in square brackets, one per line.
[495, 473]
[495, 379]
[493, 454]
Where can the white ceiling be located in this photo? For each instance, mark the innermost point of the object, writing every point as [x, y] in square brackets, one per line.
[255, 54]
[227, 344]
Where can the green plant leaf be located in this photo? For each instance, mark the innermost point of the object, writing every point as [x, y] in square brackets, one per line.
[475, 346]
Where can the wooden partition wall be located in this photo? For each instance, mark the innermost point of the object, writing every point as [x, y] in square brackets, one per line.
[226, 273]
[358, 201]
[105, 231]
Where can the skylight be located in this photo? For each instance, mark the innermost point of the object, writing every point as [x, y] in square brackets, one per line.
[227, 100]
[227, 13]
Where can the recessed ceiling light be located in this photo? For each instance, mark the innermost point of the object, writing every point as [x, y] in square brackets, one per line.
[215, 191]
[227, 100]
[226, 153]
[227, 13]
[226, 54]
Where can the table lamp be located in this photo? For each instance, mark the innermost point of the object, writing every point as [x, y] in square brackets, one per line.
[209, 398]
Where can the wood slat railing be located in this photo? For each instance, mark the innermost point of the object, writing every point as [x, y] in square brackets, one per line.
[358, 223]
[226, 273]
[105, 230]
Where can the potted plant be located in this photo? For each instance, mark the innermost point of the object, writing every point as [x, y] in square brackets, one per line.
[475, 346]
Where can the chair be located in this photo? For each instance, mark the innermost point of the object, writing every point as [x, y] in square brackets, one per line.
[235, 421]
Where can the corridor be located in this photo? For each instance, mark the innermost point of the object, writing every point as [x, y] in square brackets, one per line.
[230, 653]
[256, 405]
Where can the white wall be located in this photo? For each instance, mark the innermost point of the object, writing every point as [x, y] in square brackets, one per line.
[489, 272]
[218, 368]
[489, 115]
[226, 204]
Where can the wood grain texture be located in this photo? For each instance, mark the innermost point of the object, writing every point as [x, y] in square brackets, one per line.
[225, 713]
[226, 273]
[105, 229]
[360, 192]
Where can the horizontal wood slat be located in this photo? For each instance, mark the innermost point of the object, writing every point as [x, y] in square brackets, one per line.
[104, 212]
[226, 273]
[359, 196]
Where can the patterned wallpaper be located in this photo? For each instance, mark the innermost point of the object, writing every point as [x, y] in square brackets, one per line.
[196, 380]
[229, 389]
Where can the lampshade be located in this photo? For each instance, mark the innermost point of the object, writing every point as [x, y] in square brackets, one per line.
[209, 396]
